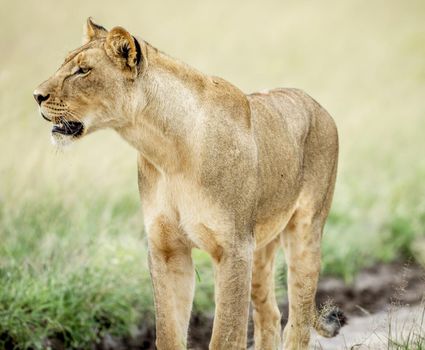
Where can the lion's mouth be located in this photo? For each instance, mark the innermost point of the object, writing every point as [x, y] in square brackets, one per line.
[68, 128]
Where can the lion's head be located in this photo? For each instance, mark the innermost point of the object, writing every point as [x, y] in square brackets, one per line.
[94, 87]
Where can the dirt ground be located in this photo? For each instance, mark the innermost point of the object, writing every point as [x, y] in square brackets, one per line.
[382, 295]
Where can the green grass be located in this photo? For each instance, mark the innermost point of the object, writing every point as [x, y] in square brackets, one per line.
[72, 247]
[57, 280]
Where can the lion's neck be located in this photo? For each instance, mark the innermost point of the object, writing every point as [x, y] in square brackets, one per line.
[164, 129]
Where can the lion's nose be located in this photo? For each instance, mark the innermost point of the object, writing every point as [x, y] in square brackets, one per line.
[40, 97]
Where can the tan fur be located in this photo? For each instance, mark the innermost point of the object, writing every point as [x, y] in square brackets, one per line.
[220, 170]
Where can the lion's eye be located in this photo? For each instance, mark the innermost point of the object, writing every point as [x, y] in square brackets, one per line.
[82, 70]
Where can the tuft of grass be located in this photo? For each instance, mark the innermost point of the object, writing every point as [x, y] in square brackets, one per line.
[412, 338]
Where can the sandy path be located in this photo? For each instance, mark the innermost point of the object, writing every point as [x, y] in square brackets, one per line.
[372, 332]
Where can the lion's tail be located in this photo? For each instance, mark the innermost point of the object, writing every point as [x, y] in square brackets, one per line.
[329, 320]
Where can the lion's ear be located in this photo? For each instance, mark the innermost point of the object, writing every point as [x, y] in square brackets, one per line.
[123, 49]
[93, 31]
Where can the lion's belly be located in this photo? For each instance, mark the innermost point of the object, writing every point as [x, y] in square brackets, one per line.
[267, 230]
[206, 224]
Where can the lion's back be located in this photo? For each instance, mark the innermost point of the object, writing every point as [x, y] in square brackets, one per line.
[282, 112]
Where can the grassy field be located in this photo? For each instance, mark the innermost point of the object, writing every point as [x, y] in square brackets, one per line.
[72, 247]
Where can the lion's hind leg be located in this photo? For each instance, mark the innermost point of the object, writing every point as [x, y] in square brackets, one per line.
[301, 241]
[266, 313]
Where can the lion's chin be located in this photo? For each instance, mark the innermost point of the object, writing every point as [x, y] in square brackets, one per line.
[61, 141]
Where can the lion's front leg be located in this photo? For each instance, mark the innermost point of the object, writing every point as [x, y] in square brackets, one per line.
[172, 274]
[232, 296]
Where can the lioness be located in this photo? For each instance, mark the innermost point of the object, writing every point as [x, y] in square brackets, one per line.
[229, 173]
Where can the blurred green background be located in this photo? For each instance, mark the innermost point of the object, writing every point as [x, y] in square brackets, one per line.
[72, 248]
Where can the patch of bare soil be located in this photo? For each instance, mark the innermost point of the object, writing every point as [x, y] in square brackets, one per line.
[376, 287]
[372, 291]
